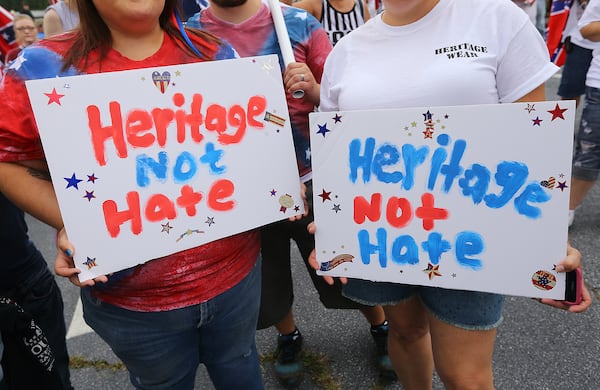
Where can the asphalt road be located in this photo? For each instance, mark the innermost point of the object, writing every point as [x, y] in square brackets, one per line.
[538, 347]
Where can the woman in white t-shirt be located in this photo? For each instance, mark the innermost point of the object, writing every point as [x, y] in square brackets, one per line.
[427, 53]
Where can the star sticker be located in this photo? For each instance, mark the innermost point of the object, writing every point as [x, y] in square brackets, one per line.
[432, 271]
[337, 118]
[336, 208]
[325, 195]
[54, 97]
[210, 221]
[428, 133]
[323, 130]
[177, 73]
[267, 66]
[67, 86]
[90, 262]
[166, 227]
[557, 112]
[89, 195]
[307, 154]
[413, 124]
[273, 192]
[296, 208]
[562, 185]
[92, 178]
[72, 181]
[530, 107]
[446, 116]
[537, 121]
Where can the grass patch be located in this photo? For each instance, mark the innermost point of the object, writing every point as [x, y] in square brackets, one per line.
[82, 362]
[317, 367]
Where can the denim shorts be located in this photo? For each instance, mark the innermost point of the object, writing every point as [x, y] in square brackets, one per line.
[586, 159]
[577, 62]
[469, 310]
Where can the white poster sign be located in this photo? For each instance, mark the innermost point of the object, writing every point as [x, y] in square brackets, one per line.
[462, 197]
[153, 161]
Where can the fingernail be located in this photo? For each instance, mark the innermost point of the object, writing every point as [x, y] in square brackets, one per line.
[69, 253]
[560, 268]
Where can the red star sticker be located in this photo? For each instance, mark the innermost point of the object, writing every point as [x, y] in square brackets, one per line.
[557, 112]
[428, 133]
[537, 121]
[325, 195]
[432, 271]
[54, 97]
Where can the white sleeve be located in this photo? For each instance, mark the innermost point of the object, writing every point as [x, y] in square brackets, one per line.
[524, 66]
[591, 14]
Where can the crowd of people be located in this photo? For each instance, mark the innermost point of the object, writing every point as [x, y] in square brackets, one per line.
[221, 292]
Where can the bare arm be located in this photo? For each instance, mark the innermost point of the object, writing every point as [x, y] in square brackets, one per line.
[27, 184]
[313, 7]
[51, 23]
[591, 31]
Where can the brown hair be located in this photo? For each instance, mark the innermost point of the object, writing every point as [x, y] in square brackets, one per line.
[93, 34]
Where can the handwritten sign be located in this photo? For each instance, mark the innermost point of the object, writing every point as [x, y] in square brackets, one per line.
[463, 197]
[153, 161]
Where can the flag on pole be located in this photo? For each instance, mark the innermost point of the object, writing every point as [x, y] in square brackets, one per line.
[559, 13]
[7, 33]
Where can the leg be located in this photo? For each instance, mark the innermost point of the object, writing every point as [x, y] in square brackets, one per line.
[287, 325]
[579, 189]
[159, 349]
[277, 289]
[227, 336]
[586, 158]
[462, 326]
[463, 358]
[44, 302]
[374, 314]
[409, 344]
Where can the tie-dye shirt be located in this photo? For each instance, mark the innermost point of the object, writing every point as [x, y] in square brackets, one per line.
[256, 36]
[178, 280]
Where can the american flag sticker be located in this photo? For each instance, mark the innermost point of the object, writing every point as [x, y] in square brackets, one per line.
[279, 121]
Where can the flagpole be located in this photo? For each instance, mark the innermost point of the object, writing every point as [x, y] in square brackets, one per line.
[284, 39]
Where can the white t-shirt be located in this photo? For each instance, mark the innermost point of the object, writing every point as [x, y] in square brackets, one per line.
[592, 14]
[572, 29]
[462, 52]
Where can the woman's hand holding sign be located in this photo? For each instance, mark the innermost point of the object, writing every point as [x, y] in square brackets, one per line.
[64, 264]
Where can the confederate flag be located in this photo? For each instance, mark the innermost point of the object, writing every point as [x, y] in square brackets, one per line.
[7, 34]
[559, 13]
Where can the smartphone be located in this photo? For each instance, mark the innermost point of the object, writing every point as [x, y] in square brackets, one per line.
[574, 283]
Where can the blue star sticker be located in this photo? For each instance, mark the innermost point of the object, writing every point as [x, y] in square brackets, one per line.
[323, 130]
[73, 181]
[337, 118]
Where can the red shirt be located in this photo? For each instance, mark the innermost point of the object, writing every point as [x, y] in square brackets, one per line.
[182, 279]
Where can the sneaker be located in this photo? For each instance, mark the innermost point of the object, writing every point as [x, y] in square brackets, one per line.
[384, 364]
[288, 359]
[571, 217]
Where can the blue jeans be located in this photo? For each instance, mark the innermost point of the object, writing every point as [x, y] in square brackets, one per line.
[162, 350]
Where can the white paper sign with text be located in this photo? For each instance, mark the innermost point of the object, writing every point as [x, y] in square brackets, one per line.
[460, 197]
[153, 161]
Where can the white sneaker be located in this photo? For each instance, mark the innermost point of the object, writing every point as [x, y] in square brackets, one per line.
[571, 217]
